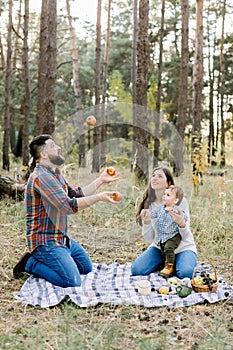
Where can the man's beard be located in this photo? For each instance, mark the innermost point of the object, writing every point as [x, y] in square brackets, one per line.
[56, 160]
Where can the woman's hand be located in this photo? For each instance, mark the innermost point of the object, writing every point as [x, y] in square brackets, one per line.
[178, 217]
[145, 216]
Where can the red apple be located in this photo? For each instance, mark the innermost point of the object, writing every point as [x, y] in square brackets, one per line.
[91, 121]
[116, 196]
[111, 170]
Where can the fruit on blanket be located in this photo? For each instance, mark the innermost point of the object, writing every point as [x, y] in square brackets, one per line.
[205, 279]
[111, 171]
[91, 121]
[117, 196]
[172, 280]
[164, 290]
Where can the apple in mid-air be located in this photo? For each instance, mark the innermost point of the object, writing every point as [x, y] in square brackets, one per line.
[91, 121]
[116, 196]
[111, 170]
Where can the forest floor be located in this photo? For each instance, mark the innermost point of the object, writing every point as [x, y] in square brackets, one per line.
[111, 235]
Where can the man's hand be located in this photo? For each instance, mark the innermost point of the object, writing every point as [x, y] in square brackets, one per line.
[105, 177]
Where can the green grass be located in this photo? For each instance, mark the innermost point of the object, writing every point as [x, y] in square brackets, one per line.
[111, 235]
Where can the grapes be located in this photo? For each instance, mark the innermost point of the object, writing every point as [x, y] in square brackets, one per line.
[205, 278]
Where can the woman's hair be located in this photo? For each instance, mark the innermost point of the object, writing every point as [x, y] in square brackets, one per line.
[149, 196]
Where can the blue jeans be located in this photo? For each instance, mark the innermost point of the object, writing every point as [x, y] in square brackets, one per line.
[61, 266]
[151, 260]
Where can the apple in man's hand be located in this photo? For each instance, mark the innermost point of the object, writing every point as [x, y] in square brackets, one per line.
[111, 170]
[116, 196]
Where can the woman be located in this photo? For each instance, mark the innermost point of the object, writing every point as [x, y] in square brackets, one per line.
[152, 260]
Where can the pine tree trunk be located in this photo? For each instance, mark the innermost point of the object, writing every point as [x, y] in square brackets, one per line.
[42, 70]
[211, 139]
[197, 95]
[159, 90]
[6, 134]
[134, 73]
[140, 127]
[50, 96]
[222, 88]
[104, 94]
[183, 91]
[77, 91]
[96, 134]
[26, 86]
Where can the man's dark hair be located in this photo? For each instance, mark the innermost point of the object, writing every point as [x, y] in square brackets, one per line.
[35, 145]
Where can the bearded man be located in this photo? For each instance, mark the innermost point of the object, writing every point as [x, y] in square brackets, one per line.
[49, 199]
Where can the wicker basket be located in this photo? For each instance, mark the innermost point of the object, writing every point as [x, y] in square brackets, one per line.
[204, 288]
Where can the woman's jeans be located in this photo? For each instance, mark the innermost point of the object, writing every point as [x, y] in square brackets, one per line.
[61, 266]
[151, 260]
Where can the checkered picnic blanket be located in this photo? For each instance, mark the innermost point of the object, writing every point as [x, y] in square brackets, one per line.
[114, 285]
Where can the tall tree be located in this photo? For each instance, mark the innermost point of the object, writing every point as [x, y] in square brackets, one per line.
[159, 89]
[42, 70]
[16, 50]
[104, 94]
[50, 97]
[26, 81]
[183, 90]
[77, 91]
[197, 95]
[134, 71]
[96, 150]
[211, 25]
[222, 87]
[140, 132]
[6, 134]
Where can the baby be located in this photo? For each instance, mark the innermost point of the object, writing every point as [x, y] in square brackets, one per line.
[168, 230]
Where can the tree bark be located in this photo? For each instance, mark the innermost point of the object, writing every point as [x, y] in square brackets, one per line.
[134, 74]
[6, 134]
[159, 90]
[50, 97]
[140, 128]
[104, 94]
[197, 95]
[26, 80]
[96, 134]
[11, 188]
[183, 91]
[42, 70]
[222, 88]
[77, 91]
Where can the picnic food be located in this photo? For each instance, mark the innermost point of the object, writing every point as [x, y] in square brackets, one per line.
[205, 279]
[164, 290]
[91, 120]
[111, 170]
[172, 280]
[116, 196]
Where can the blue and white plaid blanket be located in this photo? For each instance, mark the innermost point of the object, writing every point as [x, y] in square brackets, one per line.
[114, 285]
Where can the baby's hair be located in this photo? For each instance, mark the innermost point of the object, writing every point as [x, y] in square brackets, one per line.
[178, 191]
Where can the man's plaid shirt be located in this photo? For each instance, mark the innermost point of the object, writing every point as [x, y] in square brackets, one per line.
[48, 199]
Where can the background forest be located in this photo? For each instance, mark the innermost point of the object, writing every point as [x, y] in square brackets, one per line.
[157, 75]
